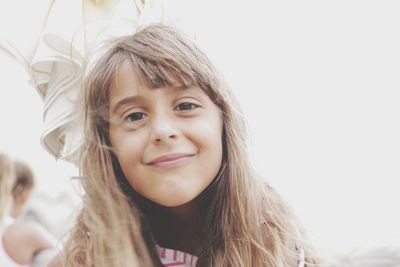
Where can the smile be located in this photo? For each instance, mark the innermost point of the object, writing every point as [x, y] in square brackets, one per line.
[170, 161]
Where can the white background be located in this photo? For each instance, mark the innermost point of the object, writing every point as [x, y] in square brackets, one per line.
[319, 82]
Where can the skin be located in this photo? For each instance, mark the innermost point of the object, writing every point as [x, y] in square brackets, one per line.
[157, 122]
[151, 123]
[23, 241]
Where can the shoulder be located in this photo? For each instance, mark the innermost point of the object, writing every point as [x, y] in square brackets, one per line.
[24, 240]
[32, 234]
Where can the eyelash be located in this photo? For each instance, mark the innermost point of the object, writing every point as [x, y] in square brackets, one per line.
[178, 108]
[127, 118]
[187, 103]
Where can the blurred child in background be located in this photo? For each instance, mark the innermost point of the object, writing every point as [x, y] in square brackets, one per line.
[22, 244]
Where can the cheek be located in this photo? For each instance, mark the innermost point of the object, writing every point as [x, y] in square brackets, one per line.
[211, 130]
[128, 149]
[207, 134]
[211, 153]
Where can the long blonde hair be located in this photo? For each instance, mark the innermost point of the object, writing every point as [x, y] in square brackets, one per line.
[7, 177]
[248, 224]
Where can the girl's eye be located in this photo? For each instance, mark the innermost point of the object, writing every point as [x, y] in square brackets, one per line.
[135, 116]
[186, 106]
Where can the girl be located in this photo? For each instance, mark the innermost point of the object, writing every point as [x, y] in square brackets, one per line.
[21, 244]
[165, 167]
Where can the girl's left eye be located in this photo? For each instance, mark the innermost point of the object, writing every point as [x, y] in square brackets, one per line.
[186, 106]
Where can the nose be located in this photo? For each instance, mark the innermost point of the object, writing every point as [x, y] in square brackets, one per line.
[163, 129]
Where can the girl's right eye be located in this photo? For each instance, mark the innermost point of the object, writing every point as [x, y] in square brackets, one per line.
[135, 116]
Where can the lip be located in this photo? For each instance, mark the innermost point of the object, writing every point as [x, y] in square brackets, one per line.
[170, 160]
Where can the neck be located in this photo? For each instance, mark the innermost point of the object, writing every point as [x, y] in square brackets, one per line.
[179, 227]
[16, 211]
[188, 212]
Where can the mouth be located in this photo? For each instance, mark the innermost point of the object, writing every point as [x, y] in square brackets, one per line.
[170, 160]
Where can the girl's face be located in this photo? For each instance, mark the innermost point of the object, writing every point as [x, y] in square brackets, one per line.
[168, 140]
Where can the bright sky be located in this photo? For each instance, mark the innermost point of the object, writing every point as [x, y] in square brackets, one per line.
[319, 84]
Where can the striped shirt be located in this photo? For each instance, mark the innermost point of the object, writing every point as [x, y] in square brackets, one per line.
[175, 258]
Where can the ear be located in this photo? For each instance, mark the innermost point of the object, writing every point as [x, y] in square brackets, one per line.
[24, 196]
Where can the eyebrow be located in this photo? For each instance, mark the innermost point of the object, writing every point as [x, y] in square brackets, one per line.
[124, 101]
[135, 98]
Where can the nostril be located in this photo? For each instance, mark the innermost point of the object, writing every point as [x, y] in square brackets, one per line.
[164, 137]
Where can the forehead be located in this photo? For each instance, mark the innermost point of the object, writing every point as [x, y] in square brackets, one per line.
[153, 76]
[126, 85]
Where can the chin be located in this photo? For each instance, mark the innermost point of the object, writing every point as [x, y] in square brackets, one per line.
[174, 201]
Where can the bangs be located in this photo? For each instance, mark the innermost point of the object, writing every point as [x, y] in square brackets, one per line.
[161, 57]
[156, 75]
